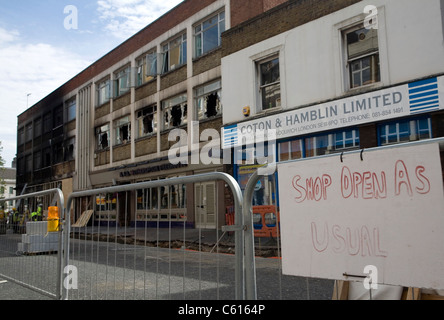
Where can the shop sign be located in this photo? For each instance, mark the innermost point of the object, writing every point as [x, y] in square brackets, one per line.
[382, 209]
[400, 101]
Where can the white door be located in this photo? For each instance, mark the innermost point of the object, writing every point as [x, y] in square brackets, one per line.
[205, 204]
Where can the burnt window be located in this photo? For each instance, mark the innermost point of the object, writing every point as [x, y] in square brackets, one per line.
[46, 157]
[208, 101]
[147, 121]
[123, 130]
[58, 116]
[102, 136]
[175, 112]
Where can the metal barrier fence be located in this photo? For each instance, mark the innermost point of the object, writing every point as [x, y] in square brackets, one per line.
[145, 261]
[30, 253]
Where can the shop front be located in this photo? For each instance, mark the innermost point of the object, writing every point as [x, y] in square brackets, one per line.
[199, 205]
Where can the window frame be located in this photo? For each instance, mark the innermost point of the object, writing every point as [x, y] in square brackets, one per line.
[103, 92]
[100, 132]
[331, 145]
[200, 29]
[168, 104]
[143, 73]
[171, 45]
[374, 55]
[118, 126]
[261, 86]
[122, 81]
[71, 109]
[201, 95]
[141, 115]
[413, 132]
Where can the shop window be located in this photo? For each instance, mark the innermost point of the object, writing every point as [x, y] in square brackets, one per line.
[318, 145]
[173, 197]
[175, 112]
[146, 68]
[107, 202]
[147, 199]
[208, 101]
[404, 131]
[174, 53]
[269, 83]
[147, 121]
[103, 92]
[346, 139]
[102, 136]
[290, 150]
[207, 35]
[123, 130]
[362, 50]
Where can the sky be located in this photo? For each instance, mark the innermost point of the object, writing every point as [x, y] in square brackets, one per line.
[43, 44]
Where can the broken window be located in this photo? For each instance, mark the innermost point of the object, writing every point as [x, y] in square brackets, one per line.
[175, 112]
[146, 68]
[123, 130]
[208, 100]
[69, 149]
[102, 135]
[147, 121]
[174, 53]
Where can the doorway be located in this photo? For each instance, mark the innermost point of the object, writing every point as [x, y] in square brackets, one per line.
[205, 204]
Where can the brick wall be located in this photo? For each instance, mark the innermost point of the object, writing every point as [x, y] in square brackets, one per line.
[243, 10]
[281, 18]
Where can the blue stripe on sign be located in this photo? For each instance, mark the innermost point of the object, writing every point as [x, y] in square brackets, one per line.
[424, 94]
[414, 106]
[413, 102]
[423, 82]
[421, 110]
[422, 89]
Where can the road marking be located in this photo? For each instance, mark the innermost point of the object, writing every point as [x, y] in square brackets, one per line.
[3, 281]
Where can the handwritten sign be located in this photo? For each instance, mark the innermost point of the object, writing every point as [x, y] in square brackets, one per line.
[386, 210]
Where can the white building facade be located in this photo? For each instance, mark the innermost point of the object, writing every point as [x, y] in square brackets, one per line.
[367, 74]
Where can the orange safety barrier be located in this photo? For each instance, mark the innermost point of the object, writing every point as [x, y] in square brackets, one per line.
[265, 221]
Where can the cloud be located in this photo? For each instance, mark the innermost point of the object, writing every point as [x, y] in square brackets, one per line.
[123, 18]
[36, 68]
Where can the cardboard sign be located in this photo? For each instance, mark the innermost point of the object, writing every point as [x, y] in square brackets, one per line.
[386, 211]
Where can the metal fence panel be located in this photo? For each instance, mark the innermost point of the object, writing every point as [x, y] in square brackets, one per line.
[30, 253]
[150, 261]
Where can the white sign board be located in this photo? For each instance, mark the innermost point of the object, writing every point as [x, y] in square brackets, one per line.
[410, 99]
[386, 210]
